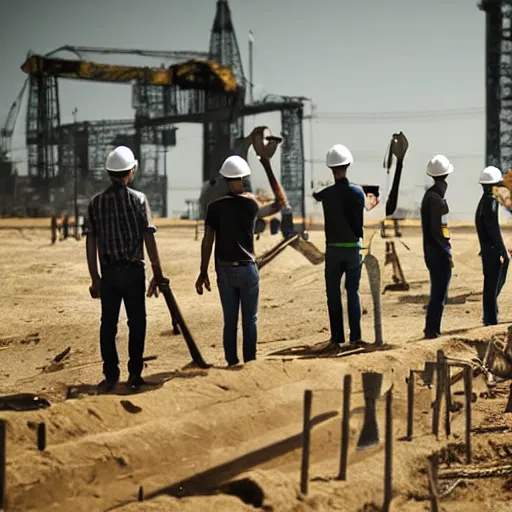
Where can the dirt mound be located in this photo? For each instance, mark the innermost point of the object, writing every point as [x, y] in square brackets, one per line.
[221, 439]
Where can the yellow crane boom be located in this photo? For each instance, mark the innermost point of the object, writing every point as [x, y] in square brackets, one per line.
[193, 74]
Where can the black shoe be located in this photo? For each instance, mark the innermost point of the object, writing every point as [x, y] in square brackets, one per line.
[135, 382]
[106, 385]
[432, 335]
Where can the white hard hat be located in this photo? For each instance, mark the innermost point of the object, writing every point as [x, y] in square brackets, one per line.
[490, 176]
[120, 160]
[235, 167]
[338, 155]
[439, 166]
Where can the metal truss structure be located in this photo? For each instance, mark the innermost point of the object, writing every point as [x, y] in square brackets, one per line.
[56, 150]
[498, 53]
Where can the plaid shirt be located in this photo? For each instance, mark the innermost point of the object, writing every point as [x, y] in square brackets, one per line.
[119, 217]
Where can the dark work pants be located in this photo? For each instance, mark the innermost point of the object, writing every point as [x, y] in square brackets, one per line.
[495, 275]
[122, 284]
[339, 261]
[239, 288]
[440, 270]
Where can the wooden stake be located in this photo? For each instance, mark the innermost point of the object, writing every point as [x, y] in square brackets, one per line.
[306, 438]
[410, 405]
[436, 409]
[508, 408]
[3, 436]
[432, 482]
[345, 427]
[41, 436]
[447, 397]
[468, 392]
[388, 452]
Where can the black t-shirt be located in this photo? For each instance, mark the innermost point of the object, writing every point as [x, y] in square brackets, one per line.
[232, 217]
[343, 206]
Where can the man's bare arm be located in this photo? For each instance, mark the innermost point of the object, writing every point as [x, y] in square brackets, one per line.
[149, 240]
[206, 248]
[269, 209]
[91, 248]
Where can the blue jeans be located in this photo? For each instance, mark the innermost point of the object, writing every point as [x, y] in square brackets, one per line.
[440, 270]
[495, 275]
[339, 261]
[239, 286]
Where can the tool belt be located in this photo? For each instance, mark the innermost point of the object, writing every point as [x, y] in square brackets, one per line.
[235, 263]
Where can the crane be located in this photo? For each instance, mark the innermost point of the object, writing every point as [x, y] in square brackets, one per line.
[8, 128]
[174, 55]
[192, 74]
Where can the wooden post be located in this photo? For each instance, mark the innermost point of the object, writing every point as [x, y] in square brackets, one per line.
[447, 397]
[345, 427]
[410, 405]
[306, 438]
[41, 436]
[65, 227]
[54, 229]
[3, 436]
[432, 482]
[388, 452]
[436, 410]
[468, 392]
[508, 408]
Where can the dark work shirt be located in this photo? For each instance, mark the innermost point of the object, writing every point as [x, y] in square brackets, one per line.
[119, 217]
[233, 217]
[487, 223]
[343, 206]
[434, 219]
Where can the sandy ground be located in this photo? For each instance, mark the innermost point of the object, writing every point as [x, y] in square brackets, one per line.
[218, 439]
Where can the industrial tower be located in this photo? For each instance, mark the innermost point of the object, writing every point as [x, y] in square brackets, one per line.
[498, 62]
[66, 161]
[220, 136]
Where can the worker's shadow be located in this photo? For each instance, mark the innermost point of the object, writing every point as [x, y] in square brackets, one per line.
[152, 382]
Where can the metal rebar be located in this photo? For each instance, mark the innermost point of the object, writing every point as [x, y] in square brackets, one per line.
[468, 392]
[345, 427]
[41, 436]
[306, 438]
[3, 436]
[388, 452]
[410, 405]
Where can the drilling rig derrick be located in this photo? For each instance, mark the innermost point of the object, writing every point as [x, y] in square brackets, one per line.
[498, 57]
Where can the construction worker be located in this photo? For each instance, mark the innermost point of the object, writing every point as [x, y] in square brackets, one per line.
[120, 223]
[343, 205]
[495, 258]
[436, 243]
[230, 222]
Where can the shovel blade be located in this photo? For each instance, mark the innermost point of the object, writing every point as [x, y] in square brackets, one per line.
[309, 251]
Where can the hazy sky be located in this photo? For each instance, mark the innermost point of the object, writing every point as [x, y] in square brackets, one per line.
[395, 61]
